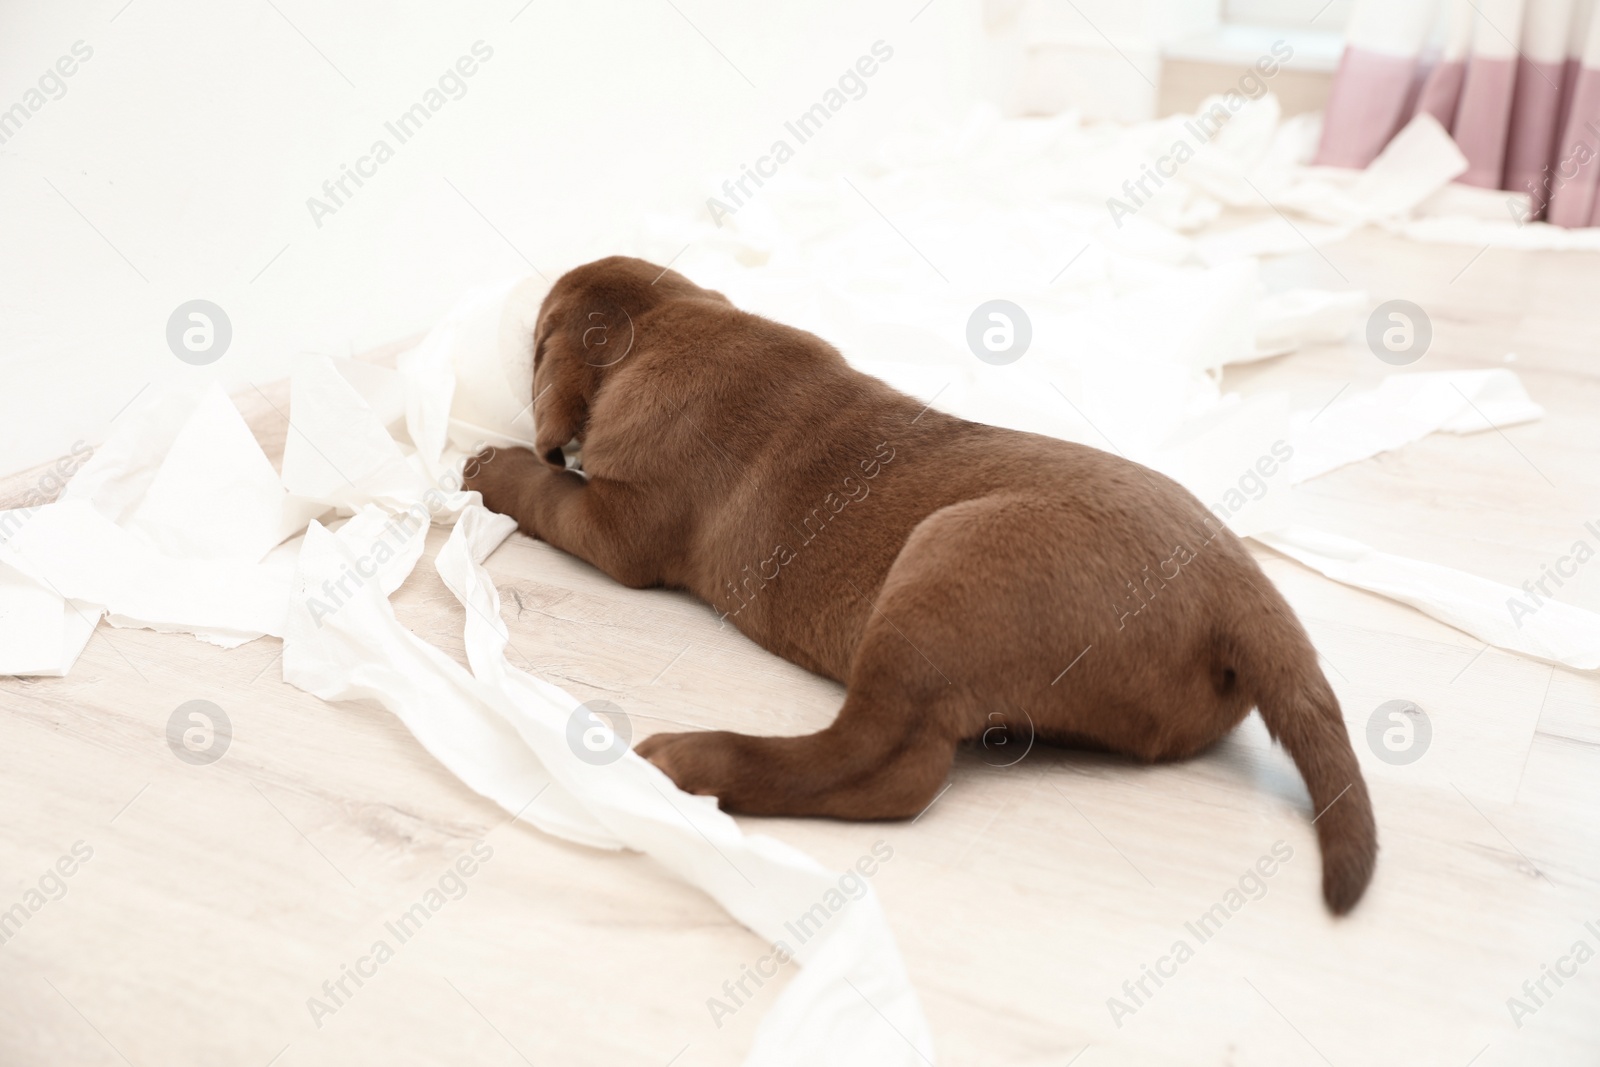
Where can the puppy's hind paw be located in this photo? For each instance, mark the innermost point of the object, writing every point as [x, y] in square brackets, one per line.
[696, 762]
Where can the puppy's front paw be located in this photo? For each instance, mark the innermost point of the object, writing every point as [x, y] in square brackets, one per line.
[475, 473]
[496, 473]
[700, 763]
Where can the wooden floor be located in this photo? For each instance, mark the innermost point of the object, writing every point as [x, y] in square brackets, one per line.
[219, 898]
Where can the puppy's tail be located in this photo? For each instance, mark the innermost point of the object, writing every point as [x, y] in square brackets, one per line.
[1279, 670]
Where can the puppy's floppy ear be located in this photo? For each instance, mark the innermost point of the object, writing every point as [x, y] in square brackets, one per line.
[582, 334]
[562, 388]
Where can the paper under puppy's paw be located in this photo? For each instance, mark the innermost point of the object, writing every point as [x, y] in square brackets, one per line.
[698, 762]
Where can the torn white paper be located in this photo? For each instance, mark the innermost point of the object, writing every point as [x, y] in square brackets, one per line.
[78, 553]
[160, 559]
[1406, 408]
[1555, 632]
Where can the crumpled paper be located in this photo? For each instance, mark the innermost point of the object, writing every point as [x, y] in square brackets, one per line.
[1419, 161]
[175, 526]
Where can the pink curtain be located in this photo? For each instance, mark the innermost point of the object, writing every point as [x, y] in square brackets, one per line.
[1516, 82]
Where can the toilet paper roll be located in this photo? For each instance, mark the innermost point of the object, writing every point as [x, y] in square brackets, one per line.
[486, 345]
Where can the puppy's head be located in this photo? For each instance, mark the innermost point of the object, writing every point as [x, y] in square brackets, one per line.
[588, 327]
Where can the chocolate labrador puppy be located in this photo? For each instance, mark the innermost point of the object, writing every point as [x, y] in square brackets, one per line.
[943, 570]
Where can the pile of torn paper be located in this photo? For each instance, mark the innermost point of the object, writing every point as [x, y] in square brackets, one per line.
[178, 523]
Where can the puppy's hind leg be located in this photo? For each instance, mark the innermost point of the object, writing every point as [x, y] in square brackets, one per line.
[861, 767]
[911, 699]
[884, 757]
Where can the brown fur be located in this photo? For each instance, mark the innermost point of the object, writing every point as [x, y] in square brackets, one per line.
[943, 570]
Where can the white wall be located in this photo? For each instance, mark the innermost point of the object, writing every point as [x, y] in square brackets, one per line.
[178, 162]
[1102, 57]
